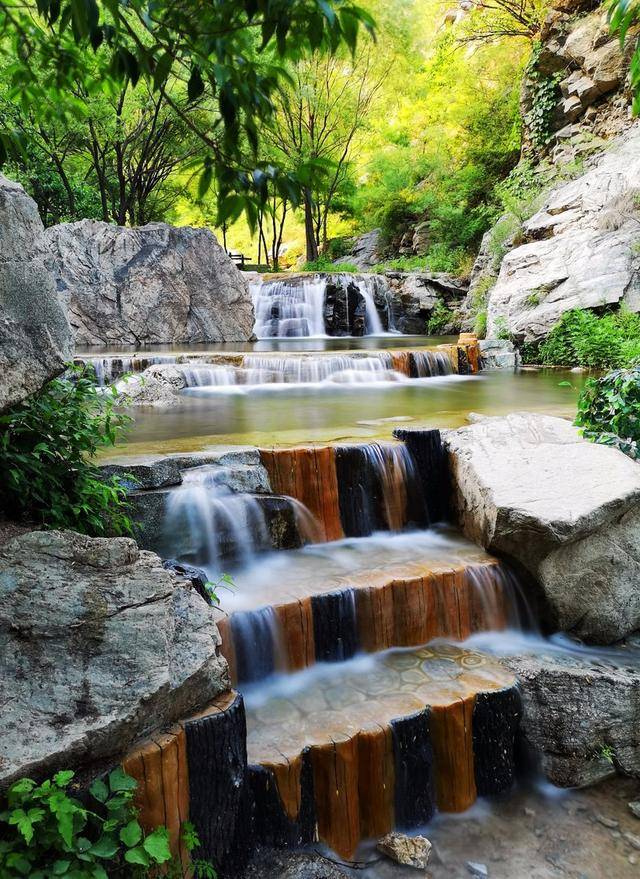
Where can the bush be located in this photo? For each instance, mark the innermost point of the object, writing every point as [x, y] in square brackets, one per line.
[609, 410]
[324, 263]
[46, 446]
[582, 338]
[45, 832]
[49, 833]
[438, 319]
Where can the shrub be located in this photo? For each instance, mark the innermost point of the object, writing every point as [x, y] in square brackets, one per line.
[324, 263]
[46, 446]
[584, 339]
[46, 832]
[438, 319]
[609, 410]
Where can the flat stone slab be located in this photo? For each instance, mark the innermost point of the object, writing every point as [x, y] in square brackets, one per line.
[568, 511]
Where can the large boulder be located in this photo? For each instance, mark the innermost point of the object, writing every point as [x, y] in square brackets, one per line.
[35, 337]
[412, 296]
[100, 645]
[581, 713]
[151, 284]
[567, 511]
[580, 251]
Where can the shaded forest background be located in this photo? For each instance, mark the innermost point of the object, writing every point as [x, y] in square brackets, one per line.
[421, 127]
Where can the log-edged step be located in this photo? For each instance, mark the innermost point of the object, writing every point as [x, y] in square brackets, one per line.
[330, 617]
[364, 747]
[384, 743]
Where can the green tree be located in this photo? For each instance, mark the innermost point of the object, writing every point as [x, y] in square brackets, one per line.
[232, 53]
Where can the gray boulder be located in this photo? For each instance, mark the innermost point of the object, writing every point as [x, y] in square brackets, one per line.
[101, 645]
[567, 511]
[35, 337]
[581, 714]
[365, 252]
[580, 249]
[154, 283]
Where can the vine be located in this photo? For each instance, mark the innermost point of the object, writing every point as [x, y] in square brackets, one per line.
[544, 98]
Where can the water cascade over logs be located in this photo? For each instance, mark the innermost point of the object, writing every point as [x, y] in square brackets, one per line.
[357, 717]
[319, 305]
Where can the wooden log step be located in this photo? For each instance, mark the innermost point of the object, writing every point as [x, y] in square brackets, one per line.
[388, 741]
[401, 605]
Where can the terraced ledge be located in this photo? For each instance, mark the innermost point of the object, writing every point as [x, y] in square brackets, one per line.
[401, 605]
[352, 753]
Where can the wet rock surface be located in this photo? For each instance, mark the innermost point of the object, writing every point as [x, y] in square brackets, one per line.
[35, 336]
[149, 284]
[100, 646]
[528, 487]
[581, 714]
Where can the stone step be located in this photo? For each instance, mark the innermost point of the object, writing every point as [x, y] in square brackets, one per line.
[339, 756]
[326, 603]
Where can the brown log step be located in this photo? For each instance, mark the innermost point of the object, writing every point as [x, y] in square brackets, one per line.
[401, 605]
[354, 725]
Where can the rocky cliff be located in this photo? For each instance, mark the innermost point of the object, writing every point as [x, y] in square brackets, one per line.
[150, 284]
[35, 337]
[578, 247]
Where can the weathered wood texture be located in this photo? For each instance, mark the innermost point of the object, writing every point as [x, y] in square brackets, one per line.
[307, 474]
[402, 607]
[432, 468]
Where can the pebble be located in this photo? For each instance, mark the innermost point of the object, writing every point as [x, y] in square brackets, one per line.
[634, 808]
[479, 870]
[632, 840]
[530, 813]
[611, 823]
[633, 859]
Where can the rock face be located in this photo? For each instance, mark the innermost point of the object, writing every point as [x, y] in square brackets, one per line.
[567, 511]
[412, 296]
[100, 645]
[35, 337]
[365, 251]
[581, 715]
[154, 283]
[580, 249]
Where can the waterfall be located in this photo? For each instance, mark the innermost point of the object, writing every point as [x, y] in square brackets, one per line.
[284, 308]
[110, 369]
[257, 644]
[427, 364]
[379, 488]
[213, 525]
[338, 305]
[500, 602]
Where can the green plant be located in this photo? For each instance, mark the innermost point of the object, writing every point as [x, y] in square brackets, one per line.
[439, 318]
[47, 443]
[544, 98]
[583, 338]
[609, 410]
[480, 323]
[48, 833]
[324, 263]
[224, 581]
[502, 329]
[532, 300]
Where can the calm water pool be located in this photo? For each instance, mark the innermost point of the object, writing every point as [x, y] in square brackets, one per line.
[272, 415]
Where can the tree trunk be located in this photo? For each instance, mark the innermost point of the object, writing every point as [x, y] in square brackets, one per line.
[309, 227]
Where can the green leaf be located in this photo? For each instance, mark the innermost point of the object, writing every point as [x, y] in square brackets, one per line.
[157, 845]
[99, 790]
[137, 856]
[120, 781]
[105, 847]
[60, 867]
[131, 834]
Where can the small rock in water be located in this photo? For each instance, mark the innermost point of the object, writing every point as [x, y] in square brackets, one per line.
[632, 840]
[611, 823]
[634, 808]
[412, 851]
[479, 870]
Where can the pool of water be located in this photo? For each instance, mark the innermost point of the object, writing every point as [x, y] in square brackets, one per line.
[309, 343]
[324, 413]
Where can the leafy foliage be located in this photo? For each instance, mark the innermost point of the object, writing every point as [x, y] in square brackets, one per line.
[623, 15]
[230, 53]
[545, 90]
[439, 318]
[47, 832]
[46, 446]
[581, 338]
[609, 410]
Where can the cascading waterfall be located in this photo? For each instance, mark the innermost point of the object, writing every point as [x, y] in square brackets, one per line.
[213, 525]
[257, 640]
[298, 307]
[110, 369]
[284, 309]
[427, 364]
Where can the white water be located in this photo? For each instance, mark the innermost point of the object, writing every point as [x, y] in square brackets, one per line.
[295, 308]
